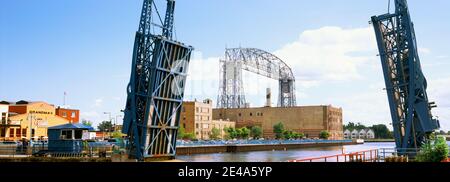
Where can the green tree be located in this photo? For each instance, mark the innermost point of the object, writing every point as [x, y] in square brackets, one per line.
[181, 133]
[256, 132]
[278, 129]
[105, 126]
[231, 133]
[324, 135]
[296, 135]
[189, 136]
[86, 123]
[381, 131]
[215, 134]
[435, 150]
[244, 133]
[116, 134]
[288, 134]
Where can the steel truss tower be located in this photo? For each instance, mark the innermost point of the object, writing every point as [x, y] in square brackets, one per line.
[231, 89]
[156, 88]
[405, 83]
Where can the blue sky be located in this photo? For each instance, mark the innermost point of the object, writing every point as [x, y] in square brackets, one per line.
[84, 47]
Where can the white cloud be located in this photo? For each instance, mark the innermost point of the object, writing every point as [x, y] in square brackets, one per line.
[330, 53]
[318, 57]
[438, 91]
[98, 102]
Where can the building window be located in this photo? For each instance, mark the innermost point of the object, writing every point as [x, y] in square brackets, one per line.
[64, 114]
[11, 132]
[251, 114]
[184, 125]
[2, 132]
[24, 132]
[3, 116]
[18, 132]
[196, 125]
[196, 109]
[261, 114]
[74, 114]
[66, 134]
[240, 114]
[78, 134]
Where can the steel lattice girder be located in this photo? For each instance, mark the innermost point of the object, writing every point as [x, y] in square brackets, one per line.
[231, 91]
[156, 88]
[405, 83]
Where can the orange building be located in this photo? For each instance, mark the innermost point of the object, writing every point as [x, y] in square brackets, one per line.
[72, 115]
[29, 120]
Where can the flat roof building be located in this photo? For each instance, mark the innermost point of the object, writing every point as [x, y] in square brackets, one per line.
[310, 120]
[73, 115]
[29, 120]
[196, 117]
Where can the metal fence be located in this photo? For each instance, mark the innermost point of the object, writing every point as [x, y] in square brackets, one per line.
[373, 155]
[43, 151]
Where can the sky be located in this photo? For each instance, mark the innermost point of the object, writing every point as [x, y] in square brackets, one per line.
[84, 47]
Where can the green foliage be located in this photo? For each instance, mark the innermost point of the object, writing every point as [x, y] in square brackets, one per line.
[381, 131]
[190, 136]
[105, 126]
[86, 123]
[244, 133]
[117, 134]
[435, 150]
[278, 129]
[232, 133]
[181, 133]
[215, 134]
[241, 133]
[352, 126]
[256, 132]
[324, 135]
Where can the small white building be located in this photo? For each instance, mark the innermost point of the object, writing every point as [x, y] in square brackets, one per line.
[347, 134]
[355, 134]
[4, 113]
[362, 134]
[370, 134]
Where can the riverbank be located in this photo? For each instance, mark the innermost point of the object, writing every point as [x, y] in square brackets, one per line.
[378, 140]
[191, 150]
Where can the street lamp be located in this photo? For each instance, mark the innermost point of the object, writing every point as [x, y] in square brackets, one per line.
[115, 123]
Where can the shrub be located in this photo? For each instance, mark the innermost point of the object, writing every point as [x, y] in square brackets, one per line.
[433, 151]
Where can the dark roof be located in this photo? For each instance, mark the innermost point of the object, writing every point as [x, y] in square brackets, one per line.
[6, 102]
[71, 126]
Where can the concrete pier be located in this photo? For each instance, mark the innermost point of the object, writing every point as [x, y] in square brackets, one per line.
[248, 148]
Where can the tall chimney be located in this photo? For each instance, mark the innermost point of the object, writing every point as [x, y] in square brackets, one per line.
[268, 98]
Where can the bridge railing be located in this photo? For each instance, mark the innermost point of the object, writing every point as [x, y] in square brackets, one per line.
[360, 156]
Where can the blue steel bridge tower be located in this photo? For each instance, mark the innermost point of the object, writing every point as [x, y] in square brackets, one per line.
[156, 87]
[405, 82]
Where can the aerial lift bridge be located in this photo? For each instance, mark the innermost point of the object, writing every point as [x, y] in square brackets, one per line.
[156, 88]
[405, 82]
[231, 89]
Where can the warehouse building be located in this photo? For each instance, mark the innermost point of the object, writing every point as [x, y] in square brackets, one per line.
[29, 120]
[310, 120]
[196, 117]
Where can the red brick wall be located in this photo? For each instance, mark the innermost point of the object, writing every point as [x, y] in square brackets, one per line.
[68, 114]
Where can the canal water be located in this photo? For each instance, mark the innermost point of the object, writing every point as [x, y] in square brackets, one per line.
[282, 156]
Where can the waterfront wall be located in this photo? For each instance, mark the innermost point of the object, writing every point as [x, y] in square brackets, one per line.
[248, 148]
